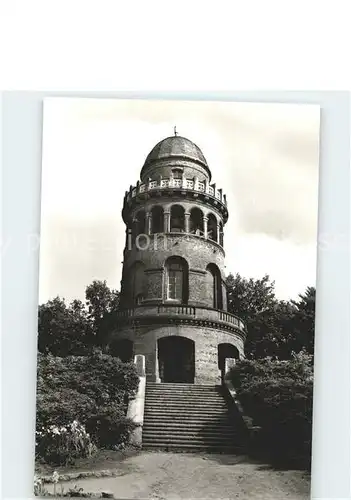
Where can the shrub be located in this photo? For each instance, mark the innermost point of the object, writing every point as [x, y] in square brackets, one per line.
[110, 426]
[278, 396]
[63, 406]
[62, 445]
[93, 390]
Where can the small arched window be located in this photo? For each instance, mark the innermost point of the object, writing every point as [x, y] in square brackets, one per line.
[139, 224]
[196, 222]
[177, 219]
[135, 283]
[157, 219]
[216, 286]
[221, 233]
[139, 299]
[177, 173]
[176, 280]
[212, 228]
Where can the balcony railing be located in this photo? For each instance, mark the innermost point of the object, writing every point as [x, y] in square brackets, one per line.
[193, 312]
[186, 184]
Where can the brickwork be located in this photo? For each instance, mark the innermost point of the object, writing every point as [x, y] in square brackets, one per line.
[206, 347]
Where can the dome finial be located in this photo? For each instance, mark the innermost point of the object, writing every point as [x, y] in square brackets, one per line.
[175, 130]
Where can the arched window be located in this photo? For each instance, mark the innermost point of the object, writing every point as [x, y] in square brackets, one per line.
[134, 279]
[139, 224]
[139, 299]
[221, 233]
[177, 173]
[216, 286]
[212, 227]
[196, 222]
[176, 286]
[157, 219]
[177, 219]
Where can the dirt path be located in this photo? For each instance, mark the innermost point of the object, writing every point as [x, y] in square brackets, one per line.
[186, 476]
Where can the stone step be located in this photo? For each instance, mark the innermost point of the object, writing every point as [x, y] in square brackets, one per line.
[164, 420]
[186, 404]
[182, 384]
[185, 397]
[184, 390]
[188, 411]
[194, 448]
[200, 432]
[189, 424]
[187, 417]
[184, 439]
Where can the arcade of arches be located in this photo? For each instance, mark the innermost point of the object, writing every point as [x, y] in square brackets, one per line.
[177, 220]
[176, 357]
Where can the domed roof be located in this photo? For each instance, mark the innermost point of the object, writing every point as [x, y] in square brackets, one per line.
[177, 147]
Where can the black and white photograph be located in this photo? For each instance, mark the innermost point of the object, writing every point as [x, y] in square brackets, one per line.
[177, 291]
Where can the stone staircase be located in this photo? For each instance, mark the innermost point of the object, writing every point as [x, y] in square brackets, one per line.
[188, 417]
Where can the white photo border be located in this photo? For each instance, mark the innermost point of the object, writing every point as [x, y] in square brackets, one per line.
[21, 190]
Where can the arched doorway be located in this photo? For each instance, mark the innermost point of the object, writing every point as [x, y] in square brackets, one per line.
[176, 359]
[226, 351]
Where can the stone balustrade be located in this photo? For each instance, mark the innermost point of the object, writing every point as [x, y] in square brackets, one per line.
[185, 311]
[172, 183]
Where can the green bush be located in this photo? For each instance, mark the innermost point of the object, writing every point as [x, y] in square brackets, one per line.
[277, 395]
[92, 389]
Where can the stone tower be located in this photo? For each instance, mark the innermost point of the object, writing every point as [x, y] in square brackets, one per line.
[173, 305]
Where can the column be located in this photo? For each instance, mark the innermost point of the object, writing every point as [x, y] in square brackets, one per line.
[167, 221]
[205, 226]
[187, 222]
[218, 233]
[148, 222]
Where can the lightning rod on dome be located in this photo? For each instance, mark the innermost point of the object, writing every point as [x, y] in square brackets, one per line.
[175, 130]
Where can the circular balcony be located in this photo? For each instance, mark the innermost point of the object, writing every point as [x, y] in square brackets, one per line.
[189, 188]
[181, 313]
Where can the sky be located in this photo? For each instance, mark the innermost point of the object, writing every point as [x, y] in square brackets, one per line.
[264, 156]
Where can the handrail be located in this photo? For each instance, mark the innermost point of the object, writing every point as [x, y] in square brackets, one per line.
[176, 309]
[185, 184]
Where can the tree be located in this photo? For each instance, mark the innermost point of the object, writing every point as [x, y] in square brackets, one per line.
[75, 329]
[63, 330]
[275, 328]
[255, 302]
[101, 302]
[303, 322]
[249, 297]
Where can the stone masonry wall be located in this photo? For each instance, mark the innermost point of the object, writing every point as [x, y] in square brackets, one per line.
[198, 253]
[206, 347]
